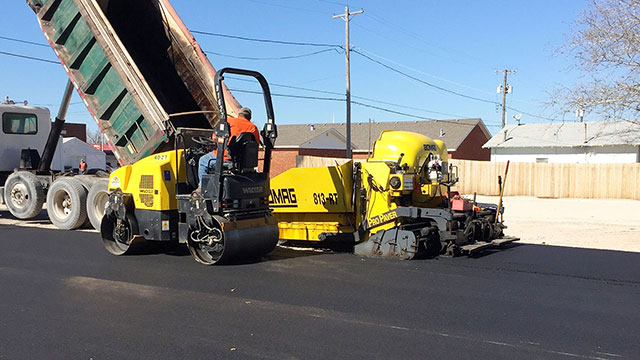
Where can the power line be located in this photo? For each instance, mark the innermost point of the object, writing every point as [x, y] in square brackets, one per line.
[447, 90]
[392, 111]
[424, 73]
[288, 7]
[288, 95]
[532, 115]
[23, 41]
[293, 43]
[29, 57]
[340, 100]
[354, 96]
[332, 2]
[271, 58]
[420, 80]
[282, 42]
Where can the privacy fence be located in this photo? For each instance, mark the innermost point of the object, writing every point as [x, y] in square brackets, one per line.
[598, 181]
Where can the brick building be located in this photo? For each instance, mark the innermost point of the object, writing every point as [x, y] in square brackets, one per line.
[463, 137]
[75, 130]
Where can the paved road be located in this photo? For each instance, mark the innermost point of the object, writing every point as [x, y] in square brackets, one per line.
[62, 296]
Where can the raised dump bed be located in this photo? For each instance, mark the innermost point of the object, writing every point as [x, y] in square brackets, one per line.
[135, 65]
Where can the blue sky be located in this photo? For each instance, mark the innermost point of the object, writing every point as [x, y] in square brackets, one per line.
[455, 45]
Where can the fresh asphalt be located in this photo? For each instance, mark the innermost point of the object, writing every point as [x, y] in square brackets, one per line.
[62, 296]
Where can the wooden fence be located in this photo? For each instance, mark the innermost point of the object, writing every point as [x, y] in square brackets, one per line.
[597, 181]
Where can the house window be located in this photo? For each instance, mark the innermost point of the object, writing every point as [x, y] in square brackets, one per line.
[23, 124]
[542, 160]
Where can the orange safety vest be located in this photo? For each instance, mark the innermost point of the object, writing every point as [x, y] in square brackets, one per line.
[236, 127]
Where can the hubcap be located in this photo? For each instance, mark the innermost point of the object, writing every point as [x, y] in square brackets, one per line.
[66, 205]
[62, 204]
[19, 195]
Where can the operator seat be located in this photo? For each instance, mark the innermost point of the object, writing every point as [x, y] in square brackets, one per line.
[243, 151]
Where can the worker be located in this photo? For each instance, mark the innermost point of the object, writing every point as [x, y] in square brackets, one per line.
[82, 168]
[236, 126]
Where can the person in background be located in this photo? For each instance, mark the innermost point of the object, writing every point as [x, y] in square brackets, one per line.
[82, 168]
[236, 126]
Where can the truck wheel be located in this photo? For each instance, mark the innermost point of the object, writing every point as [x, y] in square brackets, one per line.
[96, 202]
[24, 195]
[67, 203]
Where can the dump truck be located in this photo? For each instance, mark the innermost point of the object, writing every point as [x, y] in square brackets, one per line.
[398, 203]
[132, 83]
[154, 96]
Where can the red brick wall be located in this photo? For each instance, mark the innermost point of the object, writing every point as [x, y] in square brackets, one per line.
[281, 160]
[471, 147]
[285, 159]
[75, 130]
[334, 153]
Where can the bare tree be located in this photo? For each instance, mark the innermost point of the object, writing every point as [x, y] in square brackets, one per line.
[94, 137]
[606, 45]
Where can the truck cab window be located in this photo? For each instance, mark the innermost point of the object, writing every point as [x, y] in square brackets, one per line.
[23, 124]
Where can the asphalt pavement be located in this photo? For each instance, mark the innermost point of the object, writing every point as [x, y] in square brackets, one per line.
[62, 296]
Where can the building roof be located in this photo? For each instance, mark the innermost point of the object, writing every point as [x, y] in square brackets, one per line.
[574, 134]
[454, 131]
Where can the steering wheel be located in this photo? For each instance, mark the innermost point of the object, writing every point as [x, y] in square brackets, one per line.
[204, 140]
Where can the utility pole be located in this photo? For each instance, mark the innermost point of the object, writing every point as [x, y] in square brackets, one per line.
[346, 18]
[504, 89]
[580, 113]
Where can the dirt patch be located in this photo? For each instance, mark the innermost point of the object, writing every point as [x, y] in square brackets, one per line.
[585, 223]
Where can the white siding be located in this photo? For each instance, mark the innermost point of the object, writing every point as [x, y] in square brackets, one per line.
[76, 150]
[329, 139]
[569, 155]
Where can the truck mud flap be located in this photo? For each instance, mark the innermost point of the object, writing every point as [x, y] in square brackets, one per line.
[394, 243]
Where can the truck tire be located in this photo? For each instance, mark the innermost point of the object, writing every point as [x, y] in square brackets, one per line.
[96, 202]
[67, 203]
[24, 195]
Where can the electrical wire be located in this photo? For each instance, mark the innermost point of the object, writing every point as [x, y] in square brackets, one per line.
[23, 41]
[424, 73]
[29, 57]
[447, 90]
[282, 42]
[420, 80]
[333, 48]
[288, 95]
[393, 111]
[355, 97]
[271, 58]
[352, 102]
[288, 7]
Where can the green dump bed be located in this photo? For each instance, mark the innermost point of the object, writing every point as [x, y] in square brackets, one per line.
[135, 65]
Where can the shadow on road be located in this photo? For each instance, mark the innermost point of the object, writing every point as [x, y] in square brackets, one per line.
[41, 218]
[490, 252]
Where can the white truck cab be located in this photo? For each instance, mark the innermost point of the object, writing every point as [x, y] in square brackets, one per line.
[23, 127]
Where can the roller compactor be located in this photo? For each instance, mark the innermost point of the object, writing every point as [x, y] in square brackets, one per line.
[226, 218]
[398, 203]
